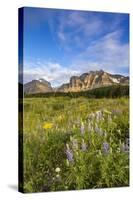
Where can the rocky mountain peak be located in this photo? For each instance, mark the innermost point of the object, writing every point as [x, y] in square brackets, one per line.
[37, 86]
[86, 81]
[92, 79]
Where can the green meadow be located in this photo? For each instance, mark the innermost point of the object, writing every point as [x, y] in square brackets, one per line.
[75, 143]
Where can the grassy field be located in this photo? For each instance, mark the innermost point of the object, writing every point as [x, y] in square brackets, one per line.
[75, 143]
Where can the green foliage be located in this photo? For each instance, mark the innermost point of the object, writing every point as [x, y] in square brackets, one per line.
[84, 138]
[109, 92]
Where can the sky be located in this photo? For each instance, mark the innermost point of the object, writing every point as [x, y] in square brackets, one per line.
[58, 44]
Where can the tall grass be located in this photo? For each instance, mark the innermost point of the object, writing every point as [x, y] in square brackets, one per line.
[75, 143]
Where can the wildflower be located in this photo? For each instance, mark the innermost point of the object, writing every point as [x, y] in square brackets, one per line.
[69, 153]
[57, 175]
[105, 147]
[82, 128]
[48, 125]
[57, 170]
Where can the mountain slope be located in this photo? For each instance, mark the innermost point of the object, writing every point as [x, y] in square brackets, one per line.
[93, 79]
[37, 86]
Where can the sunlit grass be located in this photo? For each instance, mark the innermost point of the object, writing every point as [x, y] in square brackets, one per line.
[85, 138]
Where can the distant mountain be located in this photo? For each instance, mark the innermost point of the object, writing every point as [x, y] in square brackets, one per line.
[91, 80]
[37, 86]
[87, 81]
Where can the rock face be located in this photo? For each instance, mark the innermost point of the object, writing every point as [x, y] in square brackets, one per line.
[37, 86]
[92, 79]
[87, 81]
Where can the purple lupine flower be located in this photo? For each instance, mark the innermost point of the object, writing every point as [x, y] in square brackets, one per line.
[69, 153]
[82, 128]
[105, 147]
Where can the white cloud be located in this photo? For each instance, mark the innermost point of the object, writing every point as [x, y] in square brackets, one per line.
[75, 28]
[107, 53]
[52, 72]
[78, 29]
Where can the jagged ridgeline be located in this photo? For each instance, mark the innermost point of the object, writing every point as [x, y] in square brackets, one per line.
[94, 84]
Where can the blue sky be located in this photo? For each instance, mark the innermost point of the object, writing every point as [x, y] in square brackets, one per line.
[62, 43]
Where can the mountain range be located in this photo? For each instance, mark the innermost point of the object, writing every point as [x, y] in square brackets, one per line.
[86, 81]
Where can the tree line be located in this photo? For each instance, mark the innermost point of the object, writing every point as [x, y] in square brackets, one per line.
[114, 91]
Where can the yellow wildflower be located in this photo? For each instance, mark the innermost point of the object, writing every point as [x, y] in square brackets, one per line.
[47, 125]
